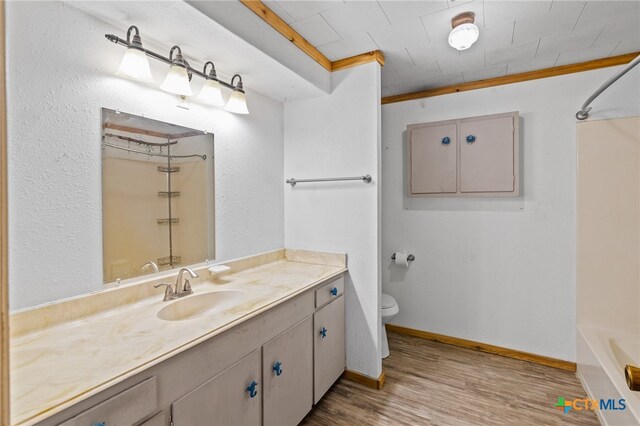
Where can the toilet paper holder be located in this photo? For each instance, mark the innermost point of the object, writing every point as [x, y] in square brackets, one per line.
[410, 258]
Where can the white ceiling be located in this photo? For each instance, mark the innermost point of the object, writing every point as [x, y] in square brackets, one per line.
[515, 36]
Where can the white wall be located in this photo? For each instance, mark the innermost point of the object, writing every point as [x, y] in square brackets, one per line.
[499, 271]
[61, 71]
[339, 135]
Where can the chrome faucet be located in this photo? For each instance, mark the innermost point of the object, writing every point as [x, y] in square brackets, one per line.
[179, 289]
[150, 265]
[186, 287]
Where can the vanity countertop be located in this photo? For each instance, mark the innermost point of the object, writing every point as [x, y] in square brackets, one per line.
[60, 365]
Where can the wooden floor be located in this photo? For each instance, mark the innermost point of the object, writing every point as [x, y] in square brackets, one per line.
[430, 383]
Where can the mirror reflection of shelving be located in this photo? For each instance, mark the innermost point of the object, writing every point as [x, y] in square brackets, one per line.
[158, 188]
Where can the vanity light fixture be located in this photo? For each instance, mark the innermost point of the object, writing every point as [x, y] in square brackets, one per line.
[464, 32]
[177, 80]
[211, 93]
[237, 101]
[135, 65]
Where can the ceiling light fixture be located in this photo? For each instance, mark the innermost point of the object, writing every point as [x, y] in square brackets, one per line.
[135, 65]
[177, 80]
[464, 32]
[237, 101]
[211, 92]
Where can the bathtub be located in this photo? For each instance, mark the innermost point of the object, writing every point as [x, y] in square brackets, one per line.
[601, 357]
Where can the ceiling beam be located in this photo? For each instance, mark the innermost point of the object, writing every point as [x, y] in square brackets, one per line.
[271, 18]
[515, 78]
[268, 16]
[363, 58]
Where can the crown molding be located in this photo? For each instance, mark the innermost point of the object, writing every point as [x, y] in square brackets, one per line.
[515, 78]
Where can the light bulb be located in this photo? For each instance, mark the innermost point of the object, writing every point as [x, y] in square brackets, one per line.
[211, 93]
[237, 103]
[135, 65]
[177, 81]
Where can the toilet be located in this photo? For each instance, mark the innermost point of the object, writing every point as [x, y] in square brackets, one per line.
[389, 311]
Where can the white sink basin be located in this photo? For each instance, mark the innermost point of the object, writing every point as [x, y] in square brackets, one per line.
[198, 304]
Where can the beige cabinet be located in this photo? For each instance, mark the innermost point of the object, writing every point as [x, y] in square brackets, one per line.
[477, 156]
[232, 378]
[125, 408]
[287, 375]
[160, 419]
[233, 397]
[433, 148]
[329, 346]
[329, 292]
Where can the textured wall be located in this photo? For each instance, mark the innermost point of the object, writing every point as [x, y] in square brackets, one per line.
[499, 271]
[339, 135]
[61, 71]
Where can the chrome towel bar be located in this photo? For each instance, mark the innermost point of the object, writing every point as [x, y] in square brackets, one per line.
[294, 181]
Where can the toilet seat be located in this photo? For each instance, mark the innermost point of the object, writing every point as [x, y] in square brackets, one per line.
[389, 306]
[389, 309]
[388, 301]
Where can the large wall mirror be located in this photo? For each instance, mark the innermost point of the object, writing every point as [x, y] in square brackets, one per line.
[157, 196]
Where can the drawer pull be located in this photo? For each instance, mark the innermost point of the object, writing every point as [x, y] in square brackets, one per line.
[471, 139]
[323, 332]
[277, 367]
[99, 424]
[334, 291]
[252, 389]
[446, 140]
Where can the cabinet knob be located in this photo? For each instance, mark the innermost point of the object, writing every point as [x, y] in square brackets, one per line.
[323, 332]
[277, 367]
[446, 140]
[252, 389]
[471, 139]
[334, 291]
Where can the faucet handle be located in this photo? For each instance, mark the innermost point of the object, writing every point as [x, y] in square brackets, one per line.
[187, 287]
[168, 292]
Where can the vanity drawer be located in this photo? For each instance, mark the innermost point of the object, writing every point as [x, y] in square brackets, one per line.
[330, 291]
[126, 408]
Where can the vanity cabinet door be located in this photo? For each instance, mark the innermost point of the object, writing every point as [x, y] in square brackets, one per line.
[126, 408]
[287, 375]
[227, 399]
[329, 346]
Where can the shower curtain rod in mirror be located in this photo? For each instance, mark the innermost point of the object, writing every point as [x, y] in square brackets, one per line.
[152, 154]
[140, 141]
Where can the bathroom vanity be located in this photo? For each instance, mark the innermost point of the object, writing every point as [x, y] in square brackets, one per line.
[265, 355]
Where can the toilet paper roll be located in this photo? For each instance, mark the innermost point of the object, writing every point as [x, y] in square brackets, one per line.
[402, 259]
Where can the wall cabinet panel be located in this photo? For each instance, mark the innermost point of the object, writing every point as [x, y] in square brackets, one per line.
[477, 156]
[433, 158]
